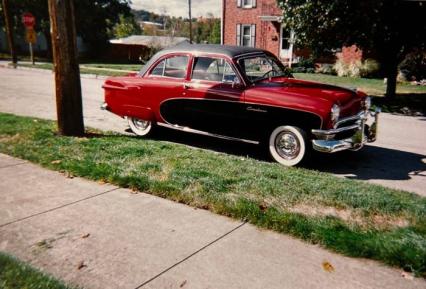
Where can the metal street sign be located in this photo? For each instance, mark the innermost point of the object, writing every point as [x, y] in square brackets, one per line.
[31, 36]
[28, 19]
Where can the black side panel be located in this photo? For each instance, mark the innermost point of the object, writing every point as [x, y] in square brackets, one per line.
[219, 117]
[233, 118]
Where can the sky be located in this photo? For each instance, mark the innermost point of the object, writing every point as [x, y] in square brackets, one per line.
[179, 7]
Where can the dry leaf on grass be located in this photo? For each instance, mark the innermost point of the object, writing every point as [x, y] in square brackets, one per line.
[55, 162]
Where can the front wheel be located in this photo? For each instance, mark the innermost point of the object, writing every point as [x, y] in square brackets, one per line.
[287, 145]
[140, 127]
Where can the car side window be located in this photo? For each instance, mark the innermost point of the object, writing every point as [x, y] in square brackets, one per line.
[159, 69]
[212, 69]
[175, 66]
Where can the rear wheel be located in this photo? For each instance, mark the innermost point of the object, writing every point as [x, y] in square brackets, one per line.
[287, 145]
[140, 127]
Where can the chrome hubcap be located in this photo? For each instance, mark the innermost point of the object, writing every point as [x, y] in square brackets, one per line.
[140, 124]
[287, 145]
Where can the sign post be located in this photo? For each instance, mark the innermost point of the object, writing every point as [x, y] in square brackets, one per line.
[31, 36]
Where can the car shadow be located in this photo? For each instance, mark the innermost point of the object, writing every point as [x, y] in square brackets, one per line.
[371, 162]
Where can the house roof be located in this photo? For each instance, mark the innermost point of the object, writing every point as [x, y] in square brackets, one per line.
[150, 41]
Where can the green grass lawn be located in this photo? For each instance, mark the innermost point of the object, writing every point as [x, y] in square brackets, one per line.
[374, 87]
[350, 217]
[15, 274]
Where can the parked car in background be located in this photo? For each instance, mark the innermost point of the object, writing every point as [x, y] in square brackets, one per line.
[243, 94]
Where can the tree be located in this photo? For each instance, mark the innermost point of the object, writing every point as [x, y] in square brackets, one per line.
[127, 26]
[94, 19]
[9, 32]
[390, 28]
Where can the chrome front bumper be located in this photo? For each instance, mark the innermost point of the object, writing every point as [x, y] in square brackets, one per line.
[364, 128]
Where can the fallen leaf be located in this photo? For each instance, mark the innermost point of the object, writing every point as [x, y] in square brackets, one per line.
[85, 236]
[56, 162]
[263, 207]
[81, 265]
[102, 182]
[327, 267]
[407, 275]
[183, 284]
[69, 175]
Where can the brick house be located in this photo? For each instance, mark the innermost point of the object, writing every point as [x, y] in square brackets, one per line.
[258, 23]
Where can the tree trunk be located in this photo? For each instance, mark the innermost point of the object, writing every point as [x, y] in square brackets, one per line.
[9, 31]
[391, 74]
[67, 73]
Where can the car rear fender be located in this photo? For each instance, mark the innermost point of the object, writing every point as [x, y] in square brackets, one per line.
[144, 113]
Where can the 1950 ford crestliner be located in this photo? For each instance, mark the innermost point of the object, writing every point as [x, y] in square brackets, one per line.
[243, 94]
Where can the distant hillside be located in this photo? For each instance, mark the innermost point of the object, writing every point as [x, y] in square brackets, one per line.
[204, 29]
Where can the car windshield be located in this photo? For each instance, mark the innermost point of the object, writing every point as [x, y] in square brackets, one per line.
[261, 67]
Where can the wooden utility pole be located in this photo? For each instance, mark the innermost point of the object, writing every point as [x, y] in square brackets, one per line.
[190, 21]
[67, 73]
[9, 31]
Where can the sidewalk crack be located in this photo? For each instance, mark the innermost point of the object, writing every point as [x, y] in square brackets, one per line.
[14, 165]
[191, 255]
[56, 208]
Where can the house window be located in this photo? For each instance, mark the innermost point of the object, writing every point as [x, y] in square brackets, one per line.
[246, 35]
[246, 3]
[286, 42]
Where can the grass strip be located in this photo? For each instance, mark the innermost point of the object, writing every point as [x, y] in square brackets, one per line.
[371, 86]
[15, 274]
[350, 217]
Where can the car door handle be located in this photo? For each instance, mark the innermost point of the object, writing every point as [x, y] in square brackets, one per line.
[187, 86]
[133, 87]
[256, 109]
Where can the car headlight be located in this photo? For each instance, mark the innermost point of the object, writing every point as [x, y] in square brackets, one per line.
[335, 113]
[367, 103]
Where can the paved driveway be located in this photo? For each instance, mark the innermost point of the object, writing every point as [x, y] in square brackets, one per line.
[397, 159]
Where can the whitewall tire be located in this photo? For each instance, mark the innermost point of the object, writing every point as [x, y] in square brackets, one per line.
[287, 145]
[140, 127]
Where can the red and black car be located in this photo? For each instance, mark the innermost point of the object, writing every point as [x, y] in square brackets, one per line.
[243, 94]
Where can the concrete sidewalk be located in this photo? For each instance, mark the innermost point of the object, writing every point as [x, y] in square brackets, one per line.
[100, 236]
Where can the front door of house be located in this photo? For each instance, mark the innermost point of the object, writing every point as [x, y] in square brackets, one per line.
[286, 43]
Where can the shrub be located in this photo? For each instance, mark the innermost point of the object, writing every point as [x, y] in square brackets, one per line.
[326, 68]
[414, 65]
[357, 68]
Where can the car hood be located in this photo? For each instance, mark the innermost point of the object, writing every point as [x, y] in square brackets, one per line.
[309, 89]
[306, 95]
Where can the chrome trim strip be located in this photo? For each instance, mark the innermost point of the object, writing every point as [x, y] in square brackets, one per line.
[104, 106]
[190, 130]
[320, 132]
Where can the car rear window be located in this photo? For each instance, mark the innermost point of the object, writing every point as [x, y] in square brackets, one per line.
[174, 66]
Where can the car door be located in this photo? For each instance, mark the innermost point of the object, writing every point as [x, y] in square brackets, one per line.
[164, 81]
[212, 100]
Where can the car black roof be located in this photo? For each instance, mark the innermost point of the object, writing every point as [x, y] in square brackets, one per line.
[185, 47]
[228, 50]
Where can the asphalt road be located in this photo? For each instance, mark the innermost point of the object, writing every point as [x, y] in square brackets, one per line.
[396, 160]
